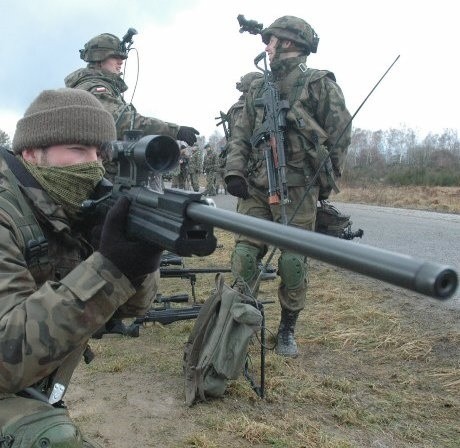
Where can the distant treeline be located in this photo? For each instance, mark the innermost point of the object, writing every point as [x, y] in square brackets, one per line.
[398, 157]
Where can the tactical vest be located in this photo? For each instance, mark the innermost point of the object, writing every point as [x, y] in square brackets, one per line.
[305, 139]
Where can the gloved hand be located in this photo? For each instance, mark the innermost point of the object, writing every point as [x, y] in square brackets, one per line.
[237, 186]
[187, 135]
[134, 259]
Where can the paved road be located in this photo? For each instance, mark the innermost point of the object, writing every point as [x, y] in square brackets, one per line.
[428, 235]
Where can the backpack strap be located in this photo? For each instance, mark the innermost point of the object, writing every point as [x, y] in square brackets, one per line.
[12, 201]
[306, 77]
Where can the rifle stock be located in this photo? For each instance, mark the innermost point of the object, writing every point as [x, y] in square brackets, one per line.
[182, 222]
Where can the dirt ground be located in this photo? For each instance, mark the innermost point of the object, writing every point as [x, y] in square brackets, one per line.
[132, 393]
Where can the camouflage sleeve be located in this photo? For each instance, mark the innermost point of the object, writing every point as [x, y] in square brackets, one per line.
[333, 116]
[125, 114]
[39, 327]
[239, 145]
[139, 303]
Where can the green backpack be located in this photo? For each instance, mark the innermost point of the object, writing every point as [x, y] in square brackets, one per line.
[217, 347]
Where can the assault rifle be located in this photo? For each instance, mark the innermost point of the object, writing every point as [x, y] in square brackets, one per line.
[270, 138]
[223, 117]
[182, 222]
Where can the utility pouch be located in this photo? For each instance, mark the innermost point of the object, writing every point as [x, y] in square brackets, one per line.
[313, 140]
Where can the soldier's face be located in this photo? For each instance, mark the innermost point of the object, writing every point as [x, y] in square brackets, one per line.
[113, 64]
[61, 155]
[270, 49]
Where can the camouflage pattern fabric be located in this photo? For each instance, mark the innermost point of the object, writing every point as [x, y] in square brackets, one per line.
[210, 168]
[220, 177]
[234, 113]
[181, 173]
[46, 316]
[108, 89]
[317, 99]
[195, 167]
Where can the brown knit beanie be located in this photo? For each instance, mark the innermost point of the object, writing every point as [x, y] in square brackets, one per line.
[63, 116]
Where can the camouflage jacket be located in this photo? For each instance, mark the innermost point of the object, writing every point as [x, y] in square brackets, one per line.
[108, 89]
[234, 112]
[317, 113]
[196, 164]
[49, 312]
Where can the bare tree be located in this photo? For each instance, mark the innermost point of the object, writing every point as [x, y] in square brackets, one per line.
[5, 139]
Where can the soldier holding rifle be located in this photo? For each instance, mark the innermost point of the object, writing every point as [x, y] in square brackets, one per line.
[315, 114]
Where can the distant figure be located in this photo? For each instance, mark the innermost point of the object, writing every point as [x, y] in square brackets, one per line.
[180, 175]
[210, 168]
[195, 167]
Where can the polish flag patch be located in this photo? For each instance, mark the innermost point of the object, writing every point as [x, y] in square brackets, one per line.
[101, 89]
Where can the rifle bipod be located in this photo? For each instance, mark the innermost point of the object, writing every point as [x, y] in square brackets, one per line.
[259, 389]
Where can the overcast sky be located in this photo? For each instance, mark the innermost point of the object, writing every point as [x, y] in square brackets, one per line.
[191, 54]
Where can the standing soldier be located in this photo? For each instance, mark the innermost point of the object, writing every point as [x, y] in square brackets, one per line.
[180, 174]
[221, 162]
[243, 86]
[195, 167]
[105, 54]
[210, 169]
[229, 119]
[315, 118]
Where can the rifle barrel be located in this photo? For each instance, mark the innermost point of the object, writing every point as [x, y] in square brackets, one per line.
[426, 277]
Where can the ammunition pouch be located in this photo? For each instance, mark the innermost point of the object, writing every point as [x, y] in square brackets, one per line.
[313, 140]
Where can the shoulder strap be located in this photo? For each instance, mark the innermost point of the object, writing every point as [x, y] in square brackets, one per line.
[307, 75]
[14, 204]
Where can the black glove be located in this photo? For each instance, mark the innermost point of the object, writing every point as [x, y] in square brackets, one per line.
[134, 259]
[187, 135]
[237, 186]
[324, 193]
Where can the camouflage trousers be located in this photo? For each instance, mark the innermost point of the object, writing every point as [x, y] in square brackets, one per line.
[291, 292]
[211, 184]
[220, 182]
[195, 181]
[178, 181]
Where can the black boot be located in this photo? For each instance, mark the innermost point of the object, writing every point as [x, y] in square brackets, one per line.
[285, 343]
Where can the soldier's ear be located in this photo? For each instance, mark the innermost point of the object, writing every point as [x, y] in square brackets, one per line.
[32, 155]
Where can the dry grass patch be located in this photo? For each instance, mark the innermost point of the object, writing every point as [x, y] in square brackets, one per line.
[438, 199]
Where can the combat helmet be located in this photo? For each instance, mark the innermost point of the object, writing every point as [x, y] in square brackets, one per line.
[293, 29]
[246, 80]
[102, 47]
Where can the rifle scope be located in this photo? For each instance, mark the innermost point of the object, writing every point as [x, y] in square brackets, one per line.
[156, 153]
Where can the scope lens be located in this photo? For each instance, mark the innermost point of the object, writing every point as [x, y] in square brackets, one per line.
[161, 153]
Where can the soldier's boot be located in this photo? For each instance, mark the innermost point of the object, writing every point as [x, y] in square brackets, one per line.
[285, 341]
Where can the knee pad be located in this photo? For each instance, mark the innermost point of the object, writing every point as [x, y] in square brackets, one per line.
[244, 262]
[292, 270]
[44, 427]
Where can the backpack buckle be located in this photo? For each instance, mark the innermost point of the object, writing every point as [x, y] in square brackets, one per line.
[37, 251]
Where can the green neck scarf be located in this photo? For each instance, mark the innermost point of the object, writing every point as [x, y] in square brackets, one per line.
[68, 185]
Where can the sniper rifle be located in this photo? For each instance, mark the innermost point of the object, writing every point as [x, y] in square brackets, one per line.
[182, 222]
